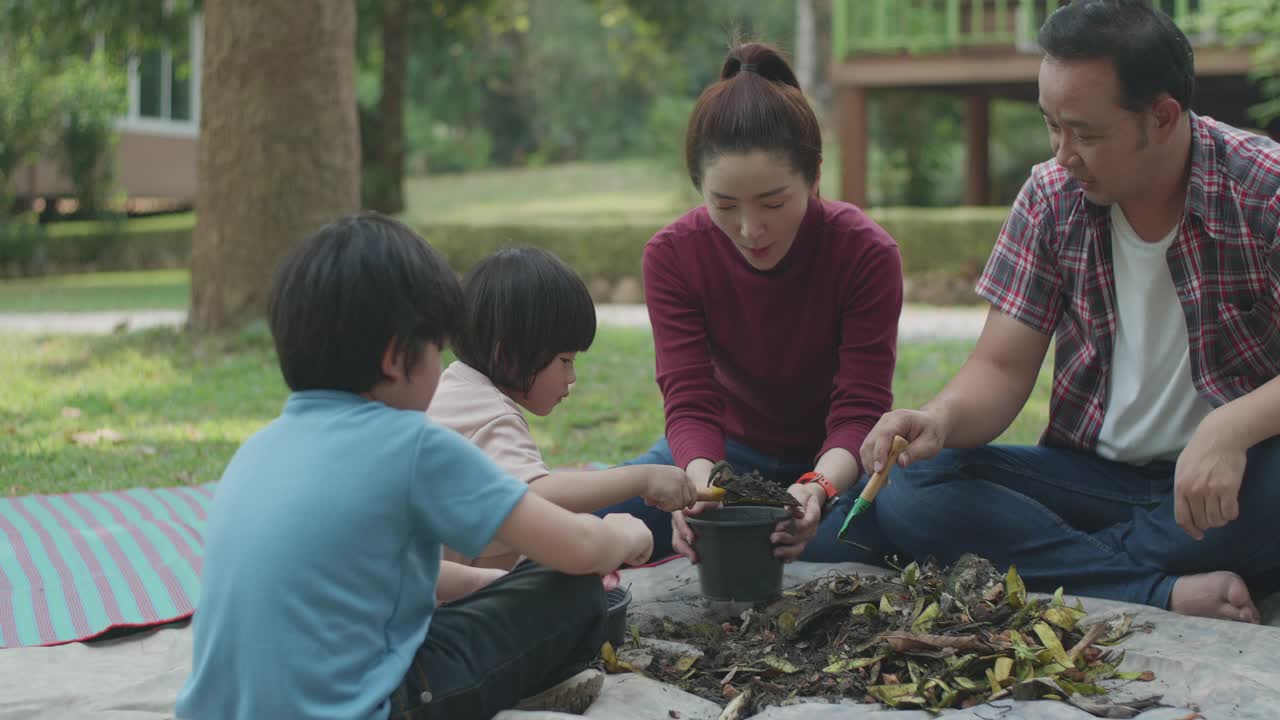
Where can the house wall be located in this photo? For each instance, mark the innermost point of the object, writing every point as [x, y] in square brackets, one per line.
[147, 166]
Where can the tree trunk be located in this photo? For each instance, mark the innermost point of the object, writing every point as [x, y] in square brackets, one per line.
[806, 46]
[391, 145]
[279, 152]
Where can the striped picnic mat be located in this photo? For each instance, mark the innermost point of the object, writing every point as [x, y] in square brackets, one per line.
[75, 566]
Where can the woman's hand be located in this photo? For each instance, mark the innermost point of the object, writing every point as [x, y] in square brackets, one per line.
[790, 536]
[682, 536]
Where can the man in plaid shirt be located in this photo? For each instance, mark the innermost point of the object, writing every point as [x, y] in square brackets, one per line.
[1148, 249]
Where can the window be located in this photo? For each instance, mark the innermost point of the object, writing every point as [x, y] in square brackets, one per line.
[164, 88]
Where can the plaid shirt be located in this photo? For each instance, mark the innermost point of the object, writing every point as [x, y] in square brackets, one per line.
[1051, 269]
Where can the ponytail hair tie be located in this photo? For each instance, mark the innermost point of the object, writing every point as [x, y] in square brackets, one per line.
[748, 67]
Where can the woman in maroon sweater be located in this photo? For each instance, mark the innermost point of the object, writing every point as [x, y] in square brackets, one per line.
[774, 312]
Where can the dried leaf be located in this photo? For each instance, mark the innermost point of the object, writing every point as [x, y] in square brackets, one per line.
[609, 657]
[896, 695]
[850, 664]
[787, 623]
[924, 622]
[904, 642]
[740, 706]
[94, 437]
[72, 412]
[865, 609]
[1117, 630]
[1003, 668]
[1051, 642]
[1014, 589]
[885, 605]
[911, 575]
[782, 665]
[685, 662]
[1064, 617]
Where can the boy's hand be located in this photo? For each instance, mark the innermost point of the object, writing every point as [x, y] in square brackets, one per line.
[634, 535]
[669, 488]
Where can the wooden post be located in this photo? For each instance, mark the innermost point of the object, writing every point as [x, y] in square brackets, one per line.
[977, 190]
[854, 144]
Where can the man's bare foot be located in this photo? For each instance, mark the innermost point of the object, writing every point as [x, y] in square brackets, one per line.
[1221, 595]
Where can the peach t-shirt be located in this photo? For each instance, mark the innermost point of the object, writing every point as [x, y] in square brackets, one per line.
[470, 404]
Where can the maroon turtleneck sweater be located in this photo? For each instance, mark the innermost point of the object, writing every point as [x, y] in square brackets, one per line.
[792, 361]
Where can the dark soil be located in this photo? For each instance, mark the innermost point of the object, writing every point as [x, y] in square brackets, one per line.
[749, 489]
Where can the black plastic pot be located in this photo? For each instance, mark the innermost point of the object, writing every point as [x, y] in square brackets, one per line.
[735, 557]
[617, 601]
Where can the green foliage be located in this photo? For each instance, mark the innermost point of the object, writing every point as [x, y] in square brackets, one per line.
[70, 28]
[950, 241]
[548, 81]
[1019, 140]
[1255, 24]
[94, 96]
[955, 239]
[665, 130]
[57, 92]
[102, 244]
[437, 148]
[919, 137]
[29, 107]
[22, 245]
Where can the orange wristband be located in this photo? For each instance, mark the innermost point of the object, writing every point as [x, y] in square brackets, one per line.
[821, 480]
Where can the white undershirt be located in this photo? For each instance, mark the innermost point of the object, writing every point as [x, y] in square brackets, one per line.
[1152, 405]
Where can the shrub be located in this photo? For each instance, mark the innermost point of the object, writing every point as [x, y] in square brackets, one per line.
[940, 246]
[942, 239]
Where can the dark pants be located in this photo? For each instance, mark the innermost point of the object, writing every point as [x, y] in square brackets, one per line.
[825, 547]
[1071, 519]
[512, 639]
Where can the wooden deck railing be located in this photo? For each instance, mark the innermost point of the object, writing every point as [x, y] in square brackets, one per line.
[936, 26]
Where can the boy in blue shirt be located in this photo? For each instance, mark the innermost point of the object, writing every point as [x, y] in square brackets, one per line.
[322, 568]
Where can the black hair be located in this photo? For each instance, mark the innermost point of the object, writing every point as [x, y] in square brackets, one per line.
[756, 105]
[1150, 54]
[524, 307]
[345, 292]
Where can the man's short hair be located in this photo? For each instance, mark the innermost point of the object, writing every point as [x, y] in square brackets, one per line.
[1150, 54]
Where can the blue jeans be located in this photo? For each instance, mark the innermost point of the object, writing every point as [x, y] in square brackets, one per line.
[825, 547]
[1067, 518]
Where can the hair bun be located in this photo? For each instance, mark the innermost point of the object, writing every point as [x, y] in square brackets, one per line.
[759, 59]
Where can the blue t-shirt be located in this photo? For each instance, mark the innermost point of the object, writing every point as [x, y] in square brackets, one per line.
[322, 553]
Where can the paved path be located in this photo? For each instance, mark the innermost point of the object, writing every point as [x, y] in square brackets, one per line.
[918, 322]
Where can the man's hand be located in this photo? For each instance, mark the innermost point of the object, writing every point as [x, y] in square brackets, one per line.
[790, 536]
[1206, 483]
[923, 430]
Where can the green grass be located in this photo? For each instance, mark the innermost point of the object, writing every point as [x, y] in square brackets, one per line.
[625, 193]
[158, 223]
[181, 406]
[141, 290]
